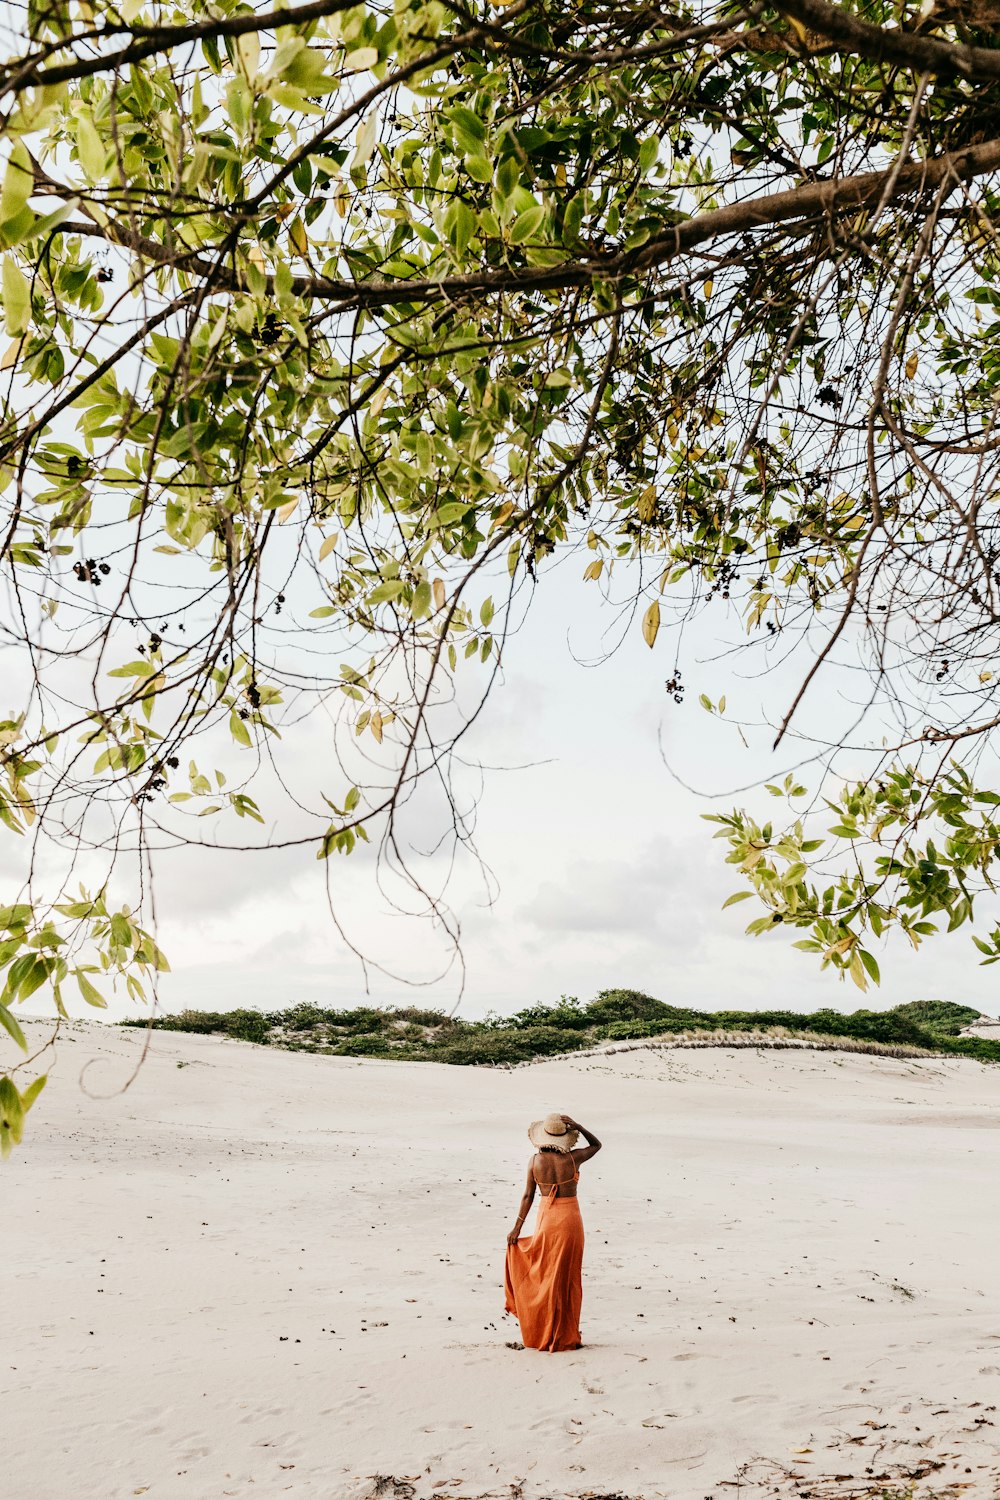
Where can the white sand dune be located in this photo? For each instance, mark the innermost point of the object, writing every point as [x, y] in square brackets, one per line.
[261, 1273]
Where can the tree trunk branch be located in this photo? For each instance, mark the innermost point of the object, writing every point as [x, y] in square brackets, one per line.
[924, 53]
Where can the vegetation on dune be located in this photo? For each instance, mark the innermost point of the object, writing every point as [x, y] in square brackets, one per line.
[939, 1017]
[619, 1015]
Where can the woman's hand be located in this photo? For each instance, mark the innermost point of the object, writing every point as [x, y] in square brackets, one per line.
[514, 1235]
[570, 1123]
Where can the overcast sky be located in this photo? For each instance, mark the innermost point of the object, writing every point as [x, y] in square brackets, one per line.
[602, 870]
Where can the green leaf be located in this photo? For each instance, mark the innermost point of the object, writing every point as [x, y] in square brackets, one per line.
[871, 966]
[121, 930]
[92, 995]
[648, 152]
[10, 1025]
[239, 730]
[90, 148]
[479, 168]
[460, 225]
[18, 183]
[32, 1092]
[26, 975]
[16, 298]
[11, 1116]
[736, 896]
[390, 589]
[421, 603]
[470, 132]
[527, 224]
[134, 669]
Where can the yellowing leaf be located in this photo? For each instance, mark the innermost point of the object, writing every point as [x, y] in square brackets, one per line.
[593, 569]
[707, 289]
[248, 51]
[647, 503]
[297, 235]
[911, 366]
[651, 624]
[376, 726]
[359, 61]
[797, 26]
[288, 510]
[437, 588]
[329, 543]
[375, 409]
[366, 140]
[856, 969]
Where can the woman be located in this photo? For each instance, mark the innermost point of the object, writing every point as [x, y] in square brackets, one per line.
[542, 1274]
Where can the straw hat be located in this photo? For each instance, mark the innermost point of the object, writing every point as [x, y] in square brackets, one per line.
[552, 1131]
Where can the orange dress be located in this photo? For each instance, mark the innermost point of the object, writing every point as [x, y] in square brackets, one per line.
[542, 1275]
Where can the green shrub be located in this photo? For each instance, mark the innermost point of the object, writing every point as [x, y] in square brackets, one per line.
[301, 1017]
[569, 1014]
[480, 1048]
[363, 1018]
[419, 1017]
[939, 1017]
[363, 1046]
[630, 1030]
[247, 1026]
[625, 1005]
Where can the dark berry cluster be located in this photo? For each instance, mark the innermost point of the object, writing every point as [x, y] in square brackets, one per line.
[91, 571]
[726, 574]
[787, 536]
[675, 687]
[270, 332]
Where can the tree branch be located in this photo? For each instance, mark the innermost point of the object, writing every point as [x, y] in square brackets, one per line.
[925, 54]
[146, 41]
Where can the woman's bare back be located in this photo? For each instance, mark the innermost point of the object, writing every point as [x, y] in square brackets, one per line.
[549, 1170]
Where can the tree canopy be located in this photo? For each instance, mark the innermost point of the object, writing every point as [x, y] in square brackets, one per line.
[335, 322]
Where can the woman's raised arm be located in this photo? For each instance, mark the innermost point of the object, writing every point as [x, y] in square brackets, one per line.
[593, 1144]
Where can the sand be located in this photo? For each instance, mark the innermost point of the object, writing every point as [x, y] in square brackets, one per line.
[262, 1273]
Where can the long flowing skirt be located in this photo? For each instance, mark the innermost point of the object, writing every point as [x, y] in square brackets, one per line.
[542, 1277]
